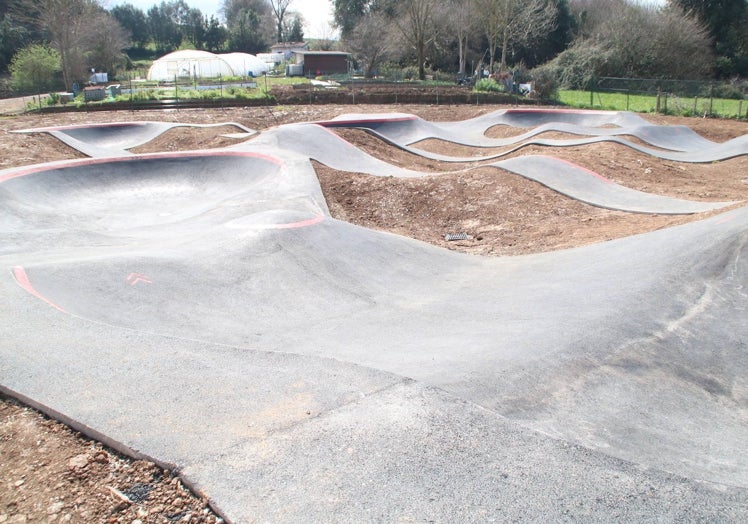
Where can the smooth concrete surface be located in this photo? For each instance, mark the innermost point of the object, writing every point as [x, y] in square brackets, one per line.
[677, 143]
[204, 310]
[109, 139]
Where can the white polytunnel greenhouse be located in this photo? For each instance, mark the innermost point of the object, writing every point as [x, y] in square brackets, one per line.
[190, 63]
[245, 64]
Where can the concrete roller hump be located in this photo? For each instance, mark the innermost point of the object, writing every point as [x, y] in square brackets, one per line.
[204, 310]
[318, 143]
[108, 139]
[678, 143]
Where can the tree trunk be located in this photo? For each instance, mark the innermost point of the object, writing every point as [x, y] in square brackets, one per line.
[504, 45]
[421, 58]
[491, 53]
[462, 45]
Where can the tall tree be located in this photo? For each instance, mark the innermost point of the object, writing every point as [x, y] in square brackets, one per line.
[194, 27]
[280, 8]
[622, 39]
[369, 43]
[511, 22]
[133, 20]
[106, 43]
[727, 22]
[462, 23]
[14, 35]
[348, 13]
[67, 24]
[416, 22]
[163, 27]
[295, 30]
[215, 35]
[544, 47]
[249, 23]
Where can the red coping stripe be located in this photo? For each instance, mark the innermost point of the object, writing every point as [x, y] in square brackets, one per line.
[589, 171]
[19, 274]
[152, 156]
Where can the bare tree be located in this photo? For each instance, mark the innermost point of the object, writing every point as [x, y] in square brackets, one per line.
[461, 18]
[510, 22]
[68, 25]
[106, 43]
[280, 7]
[415, 22]
[369, 44]
[82, 32]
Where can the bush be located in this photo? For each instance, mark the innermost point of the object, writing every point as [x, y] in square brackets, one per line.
[731, 90]
[545, 84]
[487, 85]
[33, 68]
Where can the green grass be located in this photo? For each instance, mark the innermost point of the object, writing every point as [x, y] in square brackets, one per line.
[648, 104]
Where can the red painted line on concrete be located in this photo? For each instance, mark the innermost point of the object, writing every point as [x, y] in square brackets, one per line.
[725, 219]
[589, 171]
[83, 126]
[23, 280]
[151, 156]
[566, 111]
[341, 122]
[302, 223]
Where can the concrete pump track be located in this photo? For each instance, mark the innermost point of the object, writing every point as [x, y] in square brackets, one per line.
[204, 310]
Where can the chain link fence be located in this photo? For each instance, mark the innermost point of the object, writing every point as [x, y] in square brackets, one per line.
[680, 97]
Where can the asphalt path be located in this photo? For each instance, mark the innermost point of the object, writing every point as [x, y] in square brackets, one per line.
[204, 310]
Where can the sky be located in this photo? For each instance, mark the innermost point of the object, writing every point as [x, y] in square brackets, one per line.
[317, 13]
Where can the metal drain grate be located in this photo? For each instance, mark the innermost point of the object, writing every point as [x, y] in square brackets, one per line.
[449, 237]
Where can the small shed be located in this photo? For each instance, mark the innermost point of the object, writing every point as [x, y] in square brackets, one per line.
[94, 93]
[323, 62]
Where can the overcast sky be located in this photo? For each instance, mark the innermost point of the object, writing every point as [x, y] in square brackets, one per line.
[317, 13]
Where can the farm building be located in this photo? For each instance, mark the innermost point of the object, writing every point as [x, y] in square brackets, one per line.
[202, 64]
[317, 63]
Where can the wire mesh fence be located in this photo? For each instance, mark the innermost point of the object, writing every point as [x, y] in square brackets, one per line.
[682, 97]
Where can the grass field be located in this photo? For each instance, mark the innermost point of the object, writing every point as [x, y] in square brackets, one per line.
[669, 104]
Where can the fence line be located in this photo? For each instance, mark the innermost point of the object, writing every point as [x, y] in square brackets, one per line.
[684, 97]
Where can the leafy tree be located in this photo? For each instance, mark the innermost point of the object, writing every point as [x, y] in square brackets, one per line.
[249, 24]
[245, 33]
[134, 21]
[295, 33]
[215, 35]
[163, 27]
[14, 35]
[348, 13]
[727, 23]
[194, 27]
[70, 28]
[33, 68]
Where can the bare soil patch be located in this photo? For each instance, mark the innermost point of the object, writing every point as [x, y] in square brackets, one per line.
[49, 473]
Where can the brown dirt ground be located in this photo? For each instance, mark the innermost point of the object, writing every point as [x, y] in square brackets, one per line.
[48, 473]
